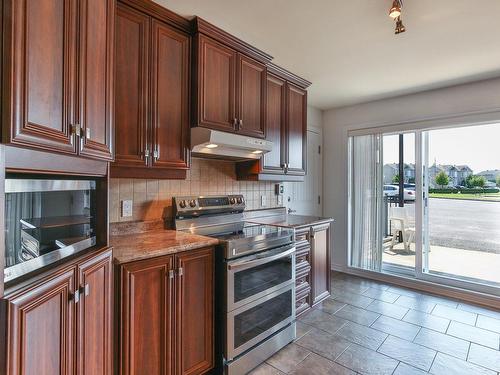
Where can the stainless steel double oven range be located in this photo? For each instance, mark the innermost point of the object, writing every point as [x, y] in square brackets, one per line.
[255, 273]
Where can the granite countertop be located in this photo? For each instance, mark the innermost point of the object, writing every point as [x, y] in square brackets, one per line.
[291, 221]
[149, 244]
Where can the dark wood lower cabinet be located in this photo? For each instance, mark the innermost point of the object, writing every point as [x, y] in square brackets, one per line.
[195, 304]
[94, 320]
[165, 314]
[312, 265]
[41, 327]
[45, 322]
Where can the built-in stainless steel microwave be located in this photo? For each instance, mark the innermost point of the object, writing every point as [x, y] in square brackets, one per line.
[46, 220]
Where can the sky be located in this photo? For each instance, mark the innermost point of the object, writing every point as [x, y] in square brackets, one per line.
[475, 146]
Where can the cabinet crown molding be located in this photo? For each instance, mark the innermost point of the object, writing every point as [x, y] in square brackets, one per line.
[289, 76]
[205, 27]
[157, 11]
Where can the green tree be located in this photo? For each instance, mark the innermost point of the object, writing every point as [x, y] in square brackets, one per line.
[480, 181]
[442, 179]
[395, 179]
[498, 180]
[473, 181]
[469, 181]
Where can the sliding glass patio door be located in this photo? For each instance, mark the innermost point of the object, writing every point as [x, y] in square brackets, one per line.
[426, 204]
[461, 206]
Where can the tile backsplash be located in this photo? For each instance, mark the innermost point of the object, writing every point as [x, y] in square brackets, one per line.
[152, 199]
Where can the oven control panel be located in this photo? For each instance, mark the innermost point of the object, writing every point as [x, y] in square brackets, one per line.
[209, 203]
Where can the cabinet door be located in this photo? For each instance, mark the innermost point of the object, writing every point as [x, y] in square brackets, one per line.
[146, 317]
[275, 124]
[170, 97]
[251, 97]
[95, 316]
[320, 254]
[96, 77]
[216, 80]
[40, 73]
[195, 316]
[41, 325]
[131, 86]
[296, 130]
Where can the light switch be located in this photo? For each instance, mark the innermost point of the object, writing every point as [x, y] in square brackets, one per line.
[263, 201]
[127, 208]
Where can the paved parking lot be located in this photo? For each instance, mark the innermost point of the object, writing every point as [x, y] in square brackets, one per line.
[470, 225]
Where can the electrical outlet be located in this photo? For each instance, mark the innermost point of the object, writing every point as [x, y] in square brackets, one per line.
[127, 208]
[263, 201]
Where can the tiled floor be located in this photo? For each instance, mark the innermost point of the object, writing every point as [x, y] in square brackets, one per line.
[371, 328]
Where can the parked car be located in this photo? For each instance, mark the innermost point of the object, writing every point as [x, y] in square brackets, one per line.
[409, 187]
[393, 191]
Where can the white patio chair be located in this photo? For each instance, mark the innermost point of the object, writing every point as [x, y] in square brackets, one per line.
[400, 222]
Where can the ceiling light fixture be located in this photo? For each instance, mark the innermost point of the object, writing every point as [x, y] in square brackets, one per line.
[400, 28]
[395, 11]
[211, 145]
[257, 152]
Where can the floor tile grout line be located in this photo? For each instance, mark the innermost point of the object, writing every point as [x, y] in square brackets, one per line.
[433, 360]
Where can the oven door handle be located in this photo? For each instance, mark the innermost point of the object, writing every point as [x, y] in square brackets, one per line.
[258, 262]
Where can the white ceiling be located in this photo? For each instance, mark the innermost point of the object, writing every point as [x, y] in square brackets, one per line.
[348, 48]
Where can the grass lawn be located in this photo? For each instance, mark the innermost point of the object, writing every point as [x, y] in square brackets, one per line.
[493, 197]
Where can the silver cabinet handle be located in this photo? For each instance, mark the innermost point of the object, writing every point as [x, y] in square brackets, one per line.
[235, 123]
[75, 297]
[156, 155]
[180, 271]
[87, 290]
[76, 131]
[171, 274]
[240, 124]
[146, 156]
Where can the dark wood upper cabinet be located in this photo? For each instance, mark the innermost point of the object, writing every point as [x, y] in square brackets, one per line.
[296, 130]
[170, 97]
[95, 316]
[251, 97]
[131, 86]
[166, 320]
[96, 77]
[195, 312]
[216, 79]
[229, 82]
[57, 71]
[273, 161]
[41, 327]
[151, 96]
[286, 127]
[39, 74]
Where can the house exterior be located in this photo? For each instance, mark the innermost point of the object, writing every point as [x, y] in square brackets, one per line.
[490, 175]
[392, 169]
[457, 174]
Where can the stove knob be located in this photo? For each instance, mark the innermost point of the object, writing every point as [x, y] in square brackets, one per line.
[192, 203]
[182, 204]
[232, 200]
[239, 200]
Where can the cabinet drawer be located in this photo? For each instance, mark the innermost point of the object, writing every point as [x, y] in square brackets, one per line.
[303, 268]
[302, 250]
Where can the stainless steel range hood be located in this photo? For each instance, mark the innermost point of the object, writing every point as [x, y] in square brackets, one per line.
[221, 145]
